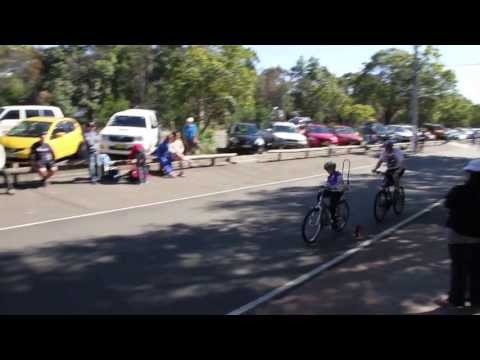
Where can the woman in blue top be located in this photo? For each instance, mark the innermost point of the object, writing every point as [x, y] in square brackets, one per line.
[166, 156]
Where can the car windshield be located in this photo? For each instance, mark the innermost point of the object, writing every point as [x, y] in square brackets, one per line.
[245, 129]
[344, 130]
[1, 111]
[29, 129]
[320, 130]
[132, 121]
[282, 128]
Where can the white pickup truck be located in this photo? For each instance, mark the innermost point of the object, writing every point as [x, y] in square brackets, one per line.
[129, 127]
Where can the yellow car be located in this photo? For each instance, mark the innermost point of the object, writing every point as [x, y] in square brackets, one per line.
[64, 135]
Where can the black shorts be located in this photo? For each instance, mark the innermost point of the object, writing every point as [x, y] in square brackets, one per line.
[389, 175]
[49, 165]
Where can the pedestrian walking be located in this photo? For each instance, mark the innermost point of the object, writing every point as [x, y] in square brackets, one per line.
[463, 203]
[92, 142]
[190, 135]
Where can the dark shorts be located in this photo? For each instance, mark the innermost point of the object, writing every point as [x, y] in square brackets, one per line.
[47, 165]
[389, 175]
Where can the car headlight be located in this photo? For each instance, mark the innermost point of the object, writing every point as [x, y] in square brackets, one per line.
[259, 142]
[138, 138]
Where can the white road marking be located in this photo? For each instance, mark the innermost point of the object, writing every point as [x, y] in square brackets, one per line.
[311, 274]
[157, 203]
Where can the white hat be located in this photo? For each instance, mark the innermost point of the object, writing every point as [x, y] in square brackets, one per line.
[190, 120]
[473, 165]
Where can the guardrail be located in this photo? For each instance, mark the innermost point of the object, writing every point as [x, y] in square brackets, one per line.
[337, 150]
[72, 168]
[68, 170]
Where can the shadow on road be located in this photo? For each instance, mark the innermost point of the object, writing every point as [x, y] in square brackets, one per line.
[213, 268]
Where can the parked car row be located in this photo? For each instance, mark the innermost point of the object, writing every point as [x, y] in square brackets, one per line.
[65, 135]
[248, 137]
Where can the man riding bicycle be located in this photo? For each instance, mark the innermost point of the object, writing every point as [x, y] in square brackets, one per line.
[394, 159]
[334, 189]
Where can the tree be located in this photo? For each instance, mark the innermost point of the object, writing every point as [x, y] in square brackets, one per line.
[316, 92]
[386, 80]
[272, 92]
[475, 116]
[453, 111]
[354, 114]
[215, 83]
[20, 72]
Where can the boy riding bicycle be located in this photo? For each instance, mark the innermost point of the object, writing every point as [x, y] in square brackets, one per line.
[394, 159]
[333, 189]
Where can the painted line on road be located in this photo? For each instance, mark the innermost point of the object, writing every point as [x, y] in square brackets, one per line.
[311, 274]
[157, 203]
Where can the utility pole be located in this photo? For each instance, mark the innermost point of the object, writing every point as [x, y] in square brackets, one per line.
[414, 104]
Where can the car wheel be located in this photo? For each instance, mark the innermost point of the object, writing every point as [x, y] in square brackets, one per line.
[260, 150]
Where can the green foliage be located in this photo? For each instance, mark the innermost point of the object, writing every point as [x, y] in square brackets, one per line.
[475, 116]
[207, 142]
[453, 111]
[109, 107]
[219, 85]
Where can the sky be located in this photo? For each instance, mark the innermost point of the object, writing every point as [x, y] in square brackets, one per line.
[464, 60]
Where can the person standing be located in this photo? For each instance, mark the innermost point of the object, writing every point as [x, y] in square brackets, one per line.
[6, 177]
[190, 134]
[463, 203]
[93, 145]
[43, 159]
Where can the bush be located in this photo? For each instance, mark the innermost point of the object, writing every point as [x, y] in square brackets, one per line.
[207, 142]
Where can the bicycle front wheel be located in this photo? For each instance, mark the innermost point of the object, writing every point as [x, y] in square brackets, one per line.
[312, 225]
[380, 206]
[399, 201]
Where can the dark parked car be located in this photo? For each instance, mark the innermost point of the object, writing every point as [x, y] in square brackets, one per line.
[373, 132]
[247, 137]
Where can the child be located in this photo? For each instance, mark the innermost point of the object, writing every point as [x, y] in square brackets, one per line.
[138, 158]
[334, 189]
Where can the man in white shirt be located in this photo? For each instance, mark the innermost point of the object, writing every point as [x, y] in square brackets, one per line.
[394, 159]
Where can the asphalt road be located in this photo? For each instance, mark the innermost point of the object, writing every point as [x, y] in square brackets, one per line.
[204, 244]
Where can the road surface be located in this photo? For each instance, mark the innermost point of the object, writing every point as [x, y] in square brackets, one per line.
[204, 244]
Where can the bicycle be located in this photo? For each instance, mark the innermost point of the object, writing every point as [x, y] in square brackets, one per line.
[319, 216]
[385, 199]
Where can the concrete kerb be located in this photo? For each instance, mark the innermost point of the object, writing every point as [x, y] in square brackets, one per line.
[70, 171]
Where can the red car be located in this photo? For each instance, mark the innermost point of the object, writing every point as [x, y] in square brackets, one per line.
[347, 136]
[320, 135]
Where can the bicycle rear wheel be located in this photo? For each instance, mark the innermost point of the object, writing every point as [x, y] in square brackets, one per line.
[380, 207]
[399, 201]
[313, 224]
[343, 214]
